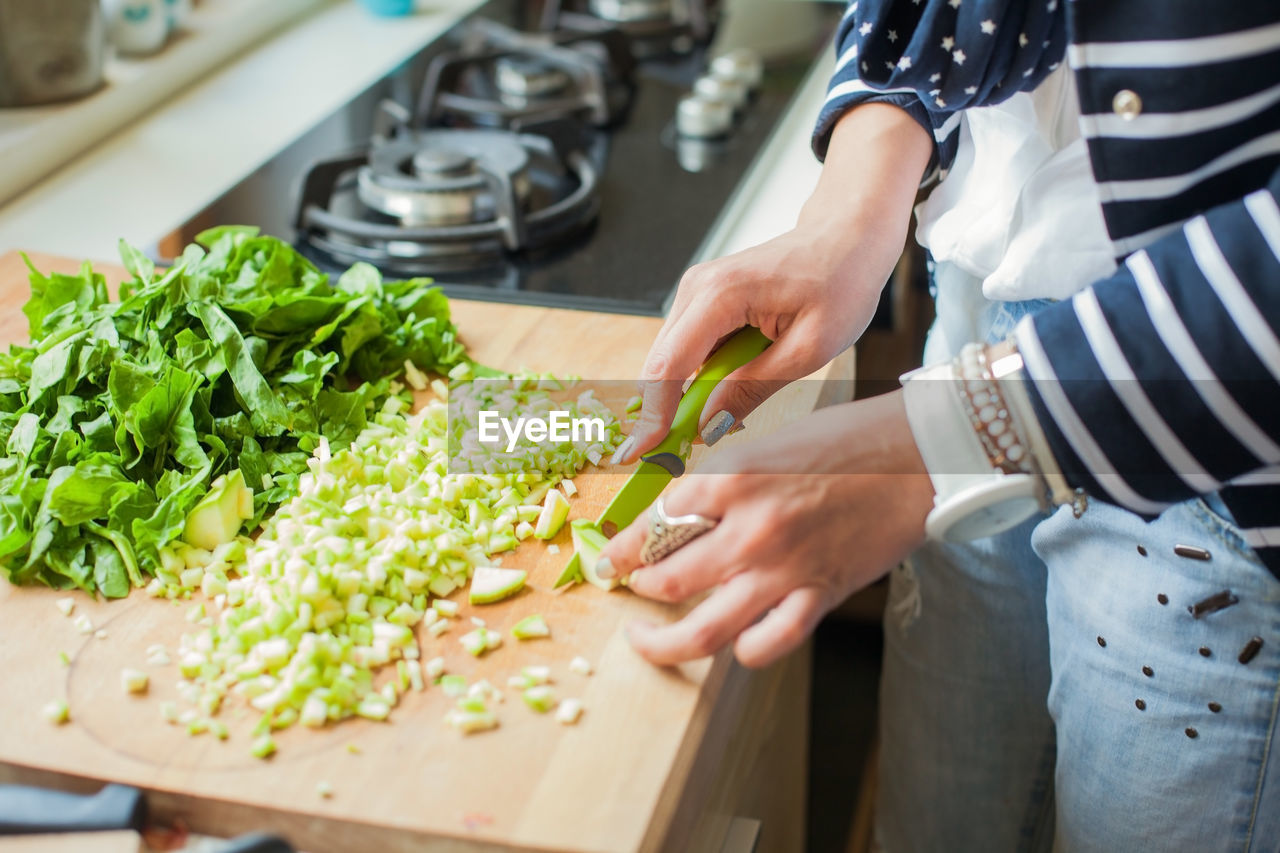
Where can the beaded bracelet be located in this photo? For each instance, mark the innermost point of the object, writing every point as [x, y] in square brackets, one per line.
[997, 431]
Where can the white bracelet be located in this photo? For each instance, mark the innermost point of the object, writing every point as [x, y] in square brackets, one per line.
[1010, 372]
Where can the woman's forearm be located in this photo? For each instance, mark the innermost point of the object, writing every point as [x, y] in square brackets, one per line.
[869, 180]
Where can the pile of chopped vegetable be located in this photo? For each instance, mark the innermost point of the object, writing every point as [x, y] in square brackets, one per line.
[238, 361]
[299, 621]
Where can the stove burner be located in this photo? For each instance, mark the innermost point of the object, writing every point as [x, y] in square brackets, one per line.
[656, 28]
[499, 77]
[526, 77]
[450, 199]
[629, 11]
[440, 177]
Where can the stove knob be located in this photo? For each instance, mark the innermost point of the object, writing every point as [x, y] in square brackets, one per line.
[702, 117]
[742, 65]
[722, 89]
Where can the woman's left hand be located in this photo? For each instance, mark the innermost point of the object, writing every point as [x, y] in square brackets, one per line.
[805, 519]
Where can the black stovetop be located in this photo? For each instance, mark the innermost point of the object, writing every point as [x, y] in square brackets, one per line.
[654, 212]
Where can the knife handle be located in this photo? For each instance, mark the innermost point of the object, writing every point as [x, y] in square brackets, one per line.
[734, 353]
[27, 811]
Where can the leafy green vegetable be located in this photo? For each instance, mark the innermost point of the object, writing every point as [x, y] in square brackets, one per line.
[117, 416]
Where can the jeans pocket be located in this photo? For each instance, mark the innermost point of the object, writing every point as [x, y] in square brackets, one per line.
[1214, 516]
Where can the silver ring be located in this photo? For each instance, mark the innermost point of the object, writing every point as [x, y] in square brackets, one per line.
[668, 533]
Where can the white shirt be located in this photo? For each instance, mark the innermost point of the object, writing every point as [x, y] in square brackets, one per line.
[1019, 210]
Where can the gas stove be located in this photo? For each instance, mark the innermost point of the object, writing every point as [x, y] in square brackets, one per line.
[576, 155]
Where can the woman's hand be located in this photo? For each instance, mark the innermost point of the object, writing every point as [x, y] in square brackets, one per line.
[812, 291]
[804, 520]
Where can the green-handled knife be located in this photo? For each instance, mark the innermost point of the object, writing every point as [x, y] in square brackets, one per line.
[666, 461]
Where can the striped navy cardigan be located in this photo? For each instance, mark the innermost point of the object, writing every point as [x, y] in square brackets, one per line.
[1161, 382]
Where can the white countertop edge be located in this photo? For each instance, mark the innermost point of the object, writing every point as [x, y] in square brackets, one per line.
[141, 182]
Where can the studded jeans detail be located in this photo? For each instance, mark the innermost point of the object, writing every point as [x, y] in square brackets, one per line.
[1053, 690]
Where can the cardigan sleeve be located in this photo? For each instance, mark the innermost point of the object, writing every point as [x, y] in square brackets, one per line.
[1162, 382]
[934, 58]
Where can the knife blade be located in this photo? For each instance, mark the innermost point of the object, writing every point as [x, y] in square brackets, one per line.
[667, 461]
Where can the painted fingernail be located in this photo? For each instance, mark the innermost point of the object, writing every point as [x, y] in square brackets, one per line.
[604, 568]
[717, 428]
[623, 450]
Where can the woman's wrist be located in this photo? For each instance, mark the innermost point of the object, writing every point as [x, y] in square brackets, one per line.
[1007, 368]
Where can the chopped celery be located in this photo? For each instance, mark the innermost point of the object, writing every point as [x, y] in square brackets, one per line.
[56, 712]
[489, 584]
[84, 624]
[531, 627]
[540, 698]
[323, 789]
[65, 605]
[468, 722]
[634, 404]
[298, 622]
[262, 747]
[217, 518]
[133, 681]
[580, 665]
[64, 659]
[453, 685]
[588, 542]
[555, 510]
[569, 712]
[537, 674]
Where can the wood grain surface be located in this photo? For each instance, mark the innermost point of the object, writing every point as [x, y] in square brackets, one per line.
[613, 782]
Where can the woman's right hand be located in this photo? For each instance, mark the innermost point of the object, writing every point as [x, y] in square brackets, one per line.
[812, 290]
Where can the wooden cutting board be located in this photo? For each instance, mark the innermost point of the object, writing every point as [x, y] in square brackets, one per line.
[615, 781]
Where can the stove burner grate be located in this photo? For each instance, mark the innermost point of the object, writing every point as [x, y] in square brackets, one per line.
[449, 198]
[499, 77]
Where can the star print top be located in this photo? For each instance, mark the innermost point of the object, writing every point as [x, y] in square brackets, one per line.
[1161, 381]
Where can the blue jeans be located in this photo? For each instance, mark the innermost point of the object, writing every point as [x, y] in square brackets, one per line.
[1048, 688]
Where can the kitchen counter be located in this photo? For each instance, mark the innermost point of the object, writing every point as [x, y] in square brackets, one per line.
[746, 734]
[168, 166]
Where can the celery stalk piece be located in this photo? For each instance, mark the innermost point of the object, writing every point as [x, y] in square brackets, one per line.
[489, 584]
[531, 627]
[56, 712]
[555, 510]
[64, 659]
[540, 698]
[469, 722]
[569, 712]
[580, 665]
[445, 607]
[634, 404]
[570, 488]
[323, 789]
[477, 642]
[134, 681]
[537, 674]
[262, 747]
[217, 518]
[65, 605]
[434, 668]
[84, 624]
[588, 542]
[453, 685]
